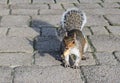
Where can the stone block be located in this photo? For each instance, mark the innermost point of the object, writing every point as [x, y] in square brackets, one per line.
[67, 6]
[99, 30]
[110, 5]
[86, 31]
[19, 1]
[106, 58]
[57, 74]
[3, 1]
[117, 55]
[10, 21]
[102, 74]
[90, 1]
[114, 29]
[67, 1]
[3, 31]
[24, 12]
[111, 1]
[41, 1]
[15, 44]
[47, 44]
[96, 20]
[4, 12]
[113, 19]
[5, 75]
[56, 6]
[26, 32]
[46, 20]
[15, 59]
[104, 43]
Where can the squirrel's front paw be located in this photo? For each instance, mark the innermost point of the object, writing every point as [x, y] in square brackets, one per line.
[75, 67]
[66, 65]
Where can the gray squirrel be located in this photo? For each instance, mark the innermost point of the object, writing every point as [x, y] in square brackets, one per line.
[74, 41]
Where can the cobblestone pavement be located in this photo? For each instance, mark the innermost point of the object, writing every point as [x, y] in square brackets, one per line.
[29, 45]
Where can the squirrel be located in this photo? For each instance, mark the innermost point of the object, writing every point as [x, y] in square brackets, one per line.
[74, 41]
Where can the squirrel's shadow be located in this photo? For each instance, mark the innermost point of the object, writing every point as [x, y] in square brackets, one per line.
[47, 42]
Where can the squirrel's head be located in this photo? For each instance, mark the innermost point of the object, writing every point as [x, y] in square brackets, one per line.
[69, 41]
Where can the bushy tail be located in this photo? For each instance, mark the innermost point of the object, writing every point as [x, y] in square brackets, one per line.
[73, 19]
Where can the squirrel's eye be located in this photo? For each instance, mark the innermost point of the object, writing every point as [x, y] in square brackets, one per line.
[73, 42]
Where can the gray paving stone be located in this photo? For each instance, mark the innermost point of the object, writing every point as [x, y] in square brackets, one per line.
[26, 32]
[15, 59]
[102, 11]
[46, 20]
[15, 44]
[47, 44]
[10, 21]
[67, 1]
[90, 1]
[94, 20]
[99, 30]
[3, 31]
[4, 6]
[24, 12]
[5, 75]
[106, 58]
[41, 1]
[56, 6]
[4, 12]
[47, 59]
[117, 54]
[57, 74]
[89, 61]
[102, 74]
[111, 1]
[51, 12]
[86, 31]
[67, 6]
[87, 6]
[3, 1]
[110, 5]
[48, 31]
[114, 29]
[19, 1]
[114, 19]
[106, 43]
[29, 6]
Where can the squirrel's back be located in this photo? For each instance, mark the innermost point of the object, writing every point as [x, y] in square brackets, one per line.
[73, 19]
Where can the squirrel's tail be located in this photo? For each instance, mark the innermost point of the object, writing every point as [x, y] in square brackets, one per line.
[73, 19]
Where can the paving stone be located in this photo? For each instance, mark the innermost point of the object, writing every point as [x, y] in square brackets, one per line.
[19, 1]
[10, 21]
[114, 29]
[106, 43]
[41, 1]
[67, 1]
[51, 12]
[56, 6]
[4, 6]
[101, 11]
[3, 31]
[87, 6]
[106, 58]
[117, 54]
[29, 6]
[102, 74]
[67, 6]
[111, 1]
[46, 20]
[110, 5]
[24, 12]
[99, 30]
[114, 19]
[48, 31]
[47, 59]
[4, 12]
[89, 61]
[36, 74]
[3, 1]
[90, 1]
[47, 44]
[15, 44]
[93, 20]
[86, 31]
[15, 59]
[5, 75]
[26, 32]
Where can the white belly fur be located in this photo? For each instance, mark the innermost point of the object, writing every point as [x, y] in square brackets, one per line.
[75, 51]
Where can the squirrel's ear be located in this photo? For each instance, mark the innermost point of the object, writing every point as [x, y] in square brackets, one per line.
[74, 35]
